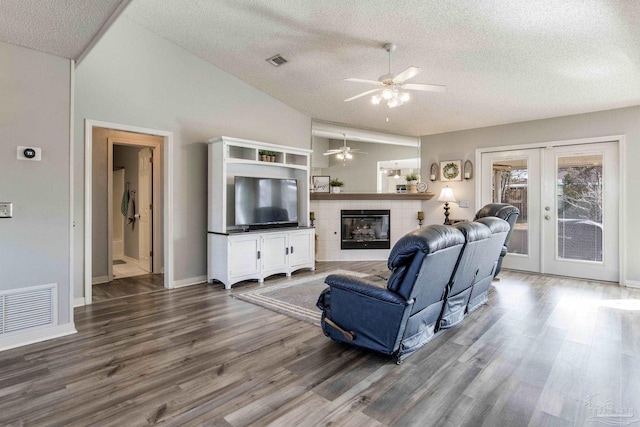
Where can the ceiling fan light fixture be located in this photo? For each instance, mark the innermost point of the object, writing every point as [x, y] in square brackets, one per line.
[348, 156]
[340, 156]
[389, 85]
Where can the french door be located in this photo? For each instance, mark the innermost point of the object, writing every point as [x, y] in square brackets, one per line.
[568, 199]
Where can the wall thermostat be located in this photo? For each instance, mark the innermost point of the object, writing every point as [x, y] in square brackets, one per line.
[29, 153]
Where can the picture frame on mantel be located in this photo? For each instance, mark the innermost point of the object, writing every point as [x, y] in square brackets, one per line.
[451, 170]
[320, 183]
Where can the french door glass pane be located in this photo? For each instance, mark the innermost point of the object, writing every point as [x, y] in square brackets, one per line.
[579, 181]
[510, 185]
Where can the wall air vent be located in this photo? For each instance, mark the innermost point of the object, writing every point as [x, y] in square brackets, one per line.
[27, 308]
[277, 60]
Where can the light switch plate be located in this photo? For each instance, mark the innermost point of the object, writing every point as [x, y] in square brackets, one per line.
[6, 209]
[464, 203]
[37, 157]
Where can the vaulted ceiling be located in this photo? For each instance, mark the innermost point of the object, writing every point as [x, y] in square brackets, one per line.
[502, 61]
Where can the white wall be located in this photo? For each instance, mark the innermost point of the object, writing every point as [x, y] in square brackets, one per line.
[462, 145]
[34, 111]
[134, 77]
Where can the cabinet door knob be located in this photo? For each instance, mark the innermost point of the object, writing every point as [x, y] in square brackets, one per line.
[291, 249]
[258, 254]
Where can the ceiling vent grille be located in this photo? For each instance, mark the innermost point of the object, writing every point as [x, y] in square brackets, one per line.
[29, 308]
[277, 60]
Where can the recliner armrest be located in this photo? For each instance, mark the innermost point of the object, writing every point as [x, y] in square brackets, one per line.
[363, 287]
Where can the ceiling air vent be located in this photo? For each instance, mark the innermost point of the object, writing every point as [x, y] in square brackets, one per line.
[277, 60]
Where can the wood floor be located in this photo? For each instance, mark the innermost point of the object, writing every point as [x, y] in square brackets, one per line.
[127, 286]
[545, 351]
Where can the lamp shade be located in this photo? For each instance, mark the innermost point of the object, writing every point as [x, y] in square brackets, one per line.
[446, 195]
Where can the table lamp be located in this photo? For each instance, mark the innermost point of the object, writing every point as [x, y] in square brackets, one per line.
[446, 196]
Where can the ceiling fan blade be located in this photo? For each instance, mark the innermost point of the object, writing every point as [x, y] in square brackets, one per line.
[426, 88]
[330, 152]
[374, 82]
[406, 74]
[361, 95]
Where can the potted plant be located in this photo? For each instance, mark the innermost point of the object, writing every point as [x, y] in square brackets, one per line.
[272, 156]
[412, 182]
[263, 155]
[335, 185]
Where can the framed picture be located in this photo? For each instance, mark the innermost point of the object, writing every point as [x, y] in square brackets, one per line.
[320, 184]
[451, 170]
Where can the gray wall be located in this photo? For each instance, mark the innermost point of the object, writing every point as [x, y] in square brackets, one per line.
[127, 158]
[319, 146]
[462, 145]
[136, 78]
[34, 111]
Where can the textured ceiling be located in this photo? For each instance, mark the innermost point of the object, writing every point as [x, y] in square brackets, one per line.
[502, 61]
[60, 27]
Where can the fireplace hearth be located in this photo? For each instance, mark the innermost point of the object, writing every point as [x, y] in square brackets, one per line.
[365, 229]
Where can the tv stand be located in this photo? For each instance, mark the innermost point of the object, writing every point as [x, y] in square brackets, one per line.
[235, 254]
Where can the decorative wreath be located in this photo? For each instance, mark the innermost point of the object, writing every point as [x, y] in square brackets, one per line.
[451, 170]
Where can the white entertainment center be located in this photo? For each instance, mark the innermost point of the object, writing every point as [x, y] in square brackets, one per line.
[239, 253]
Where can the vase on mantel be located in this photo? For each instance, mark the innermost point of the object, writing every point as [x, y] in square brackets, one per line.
[412, 186]
[335, 190]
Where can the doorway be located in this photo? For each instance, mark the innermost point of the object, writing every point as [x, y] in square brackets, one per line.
[159, 193]
[569, 203]
[131, 196]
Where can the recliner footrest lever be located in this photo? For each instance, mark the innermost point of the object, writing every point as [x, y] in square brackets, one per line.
[350, 335]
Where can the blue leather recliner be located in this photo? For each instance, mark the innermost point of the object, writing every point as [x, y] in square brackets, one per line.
[437, 271]
[503, 211]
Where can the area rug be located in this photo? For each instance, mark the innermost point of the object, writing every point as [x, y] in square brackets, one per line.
[296, 298]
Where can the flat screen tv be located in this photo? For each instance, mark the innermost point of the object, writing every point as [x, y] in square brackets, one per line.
[265, 202]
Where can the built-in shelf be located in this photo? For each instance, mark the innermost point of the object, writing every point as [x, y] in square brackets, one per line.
[371, 196]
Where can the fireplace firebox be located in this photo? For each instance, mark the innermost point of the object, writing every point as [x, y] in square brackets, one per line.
[365, 229]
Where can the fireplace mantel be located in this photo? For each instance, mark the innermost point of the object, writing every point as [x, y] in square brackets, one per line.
[371, 196]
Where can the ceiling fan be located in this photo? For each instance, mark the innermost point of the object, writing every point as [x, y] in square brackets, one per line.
[390, 87]
[344, 153]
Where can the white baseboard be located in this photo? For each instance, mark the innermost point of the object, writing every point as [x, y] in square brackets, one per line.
[632, 283]
[189, 281]
[35, 336]
[100, 279]
[78, 302]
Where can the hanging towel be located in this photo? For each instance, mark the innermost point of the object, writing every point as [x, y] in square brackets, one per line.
[124, 206]
[131, 208]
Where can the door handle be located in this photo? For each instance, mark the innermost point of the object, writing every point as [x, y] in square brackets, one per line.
[286, 251]
[291, 249]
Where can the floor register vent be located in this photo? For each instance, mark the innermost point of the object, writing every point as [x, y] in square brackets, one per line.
[29, 308]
